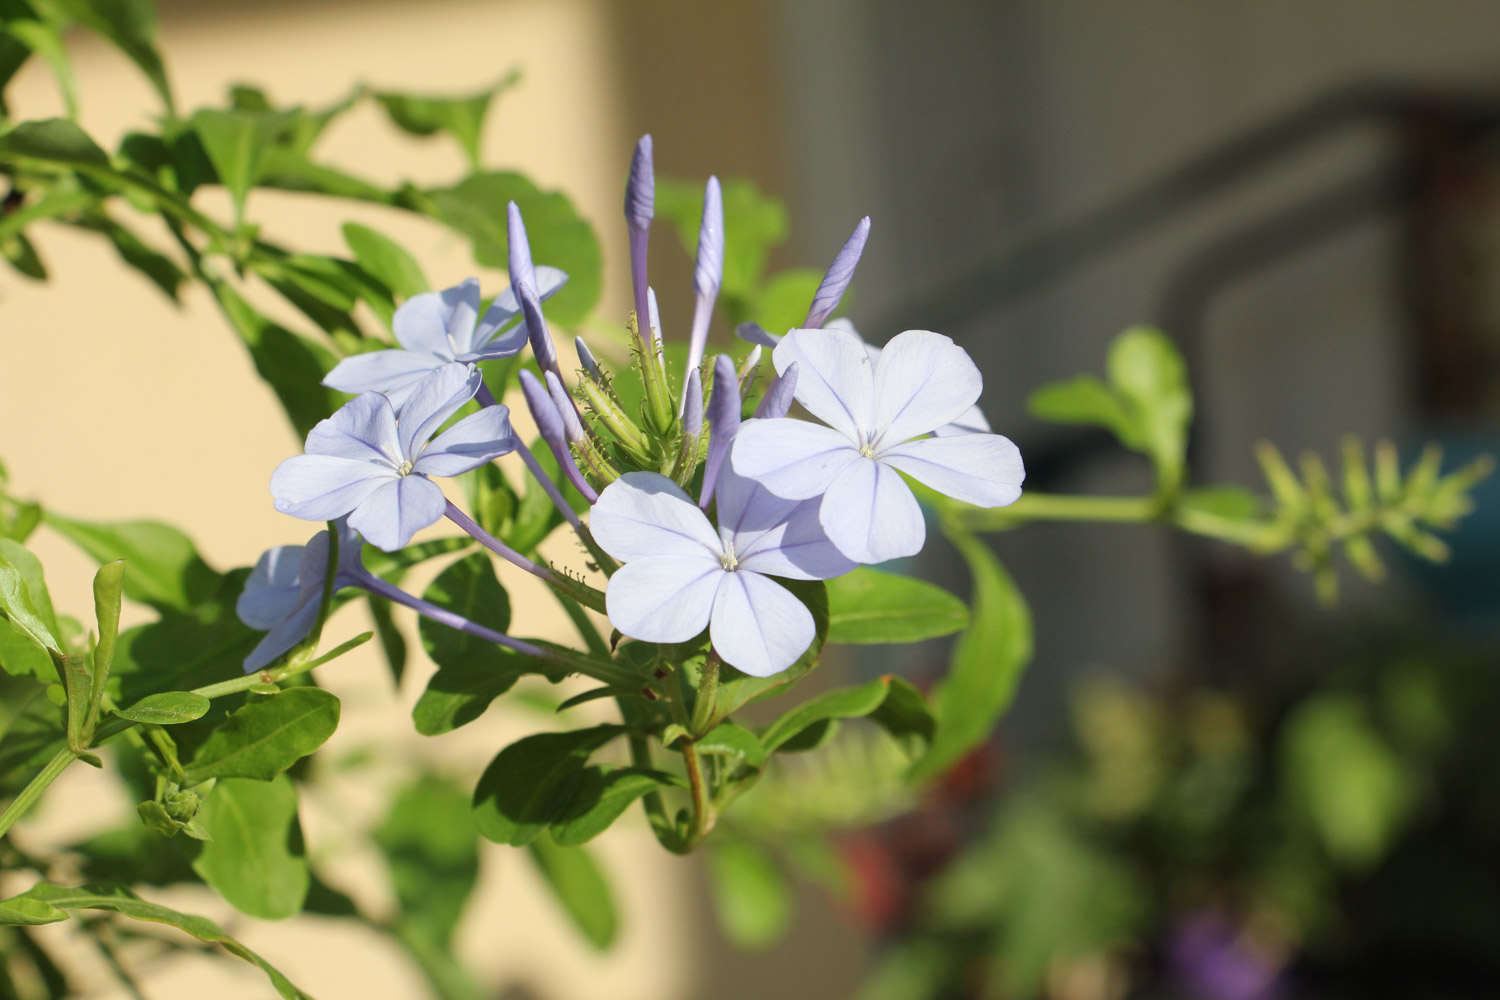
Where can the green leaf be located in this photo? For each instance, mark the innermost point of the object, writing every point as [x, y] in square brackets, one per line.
[155, 266]
[751, 898]
[21, 254]
[730, 740]
[119, 899]
[108, 584]
[1087, 401]
[169, 708]
[131, 26]
[844, 703]
[19, 603]
[1148, 372]
[52, 140]
[783, 303]
[559, 236]
[162, 567]
[23, 911]
[735, 688]
[906, 715]
[1356, 790]
[30, 568]
[288, 169]
[386, 259]
[267, 735]
[432, 853]
[579, 884]
[1232, 502]
[20, 654]
[291, 364]
[869, 606]
[461, 117]
[392, 643]
[471, 672]
[987, 661]
[43, 39]
[533, 782]
[601, 798]
[236, 141]
[255, 859]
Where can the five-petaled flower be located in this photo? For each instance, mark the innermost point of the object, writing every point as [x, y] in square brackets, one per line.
[681, 573]
[878, 416]
[284, 592]
[372, 465]
[438, 328]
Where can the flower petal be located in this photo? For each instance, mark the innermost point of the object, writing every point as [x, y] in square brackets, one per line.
[746, 508]
[663, 598]
[798, 548]
[322, 487]
[835, 380]
[473, 441]
[971, 421]
[756, 334]
[643, 515]
[436, 398]
[286, 634]
[549, 281]
[271, 589]
[363, 429]
[982, 469]
[871, 515]
[924, 380]
[381, 371]
[791, 458]
[397, 510]
[439, 323]
[759, 627]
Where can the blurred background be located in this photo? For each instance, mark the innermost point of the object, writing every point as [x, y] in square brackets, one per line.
[1209, 787]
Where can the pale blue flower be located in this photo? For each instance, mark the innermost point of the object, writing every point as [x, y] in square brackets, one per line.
[723, 423]
[373, 465]
[681, 574]
[284, 592]
[878, 416]
[439, 328]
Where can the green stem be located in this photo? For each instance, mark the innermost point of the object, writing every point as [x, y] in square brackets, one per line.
[703, 817]
[34, 790]
[707, 702]
[1061, 507]
[586, 630]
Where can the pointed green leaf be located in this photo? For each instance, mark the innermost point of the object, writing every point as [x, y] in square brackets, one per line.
[131, 26]
[1086, 401]
[1150, 376]
[162, 566]
[169, 708]
[869, 606]
[601, 798]
[255, 858]
[119, 899]
[35, 583]
[236, 141]
[737, 742]
[844, 703]
[533, 781]
[750, 894]
[23, 911]
[432, 853]
[580, 886]
[53, 140]
[461, 117]
[18, 603]
[986, 665]
[386, 259]
[267, 736]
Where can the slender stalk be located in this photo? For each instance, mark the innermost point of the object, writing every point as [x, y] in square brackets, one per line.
[707, 703]
[494, 544]
[703, 817]
[487, 398]
[443, 616]
[34, 790]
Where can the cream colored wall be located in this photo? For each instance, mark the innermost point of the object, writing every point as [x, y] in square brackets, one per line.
[115, 405]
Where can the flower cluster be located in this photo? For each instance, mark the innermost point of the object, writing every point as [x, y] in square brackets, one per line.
[704, 508]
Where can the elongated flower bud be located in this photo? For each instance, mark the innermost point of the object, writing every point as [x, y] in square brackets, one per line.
[692, 412]
[549, 424]
[536, 329]
[640, 206]
[586, 361]
[836, 281]
[572, 426]
[723, 423]
[709, 271]
[521, 270]
[778, 398]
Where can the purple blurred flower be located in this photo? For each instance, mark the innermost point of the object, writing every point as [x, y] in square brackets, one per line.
[373, 465]
[1210, 958]
[681, 573]
[439, 328]
[877, 417]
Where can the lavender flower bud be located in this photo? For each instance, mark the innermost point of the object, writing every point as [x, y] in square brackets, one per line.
[692, 407]
[536, 328]
[836, 281]
[521, 270]
[709, 272]
[640, 201]
[723, 423]
[778, 398]
[549, 424]
[586, 360]
[572, 426]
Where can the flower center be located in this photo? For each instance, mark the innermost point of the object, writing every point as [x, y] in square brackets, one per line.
[729, 560]
[867, 450]
[404, 469]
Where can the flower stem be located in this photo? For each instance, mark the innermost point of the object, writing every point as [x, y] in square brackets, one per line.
[703, 817]
[487, 398]
[706, 705]
[34, 790]
[443, 616]
[494, 544]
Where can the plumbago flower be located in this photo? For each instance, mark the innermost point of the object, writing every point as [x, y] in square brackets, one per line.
[439, 328]
[682, 573]
[371, 464]
[877, 417]
[284, 591]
